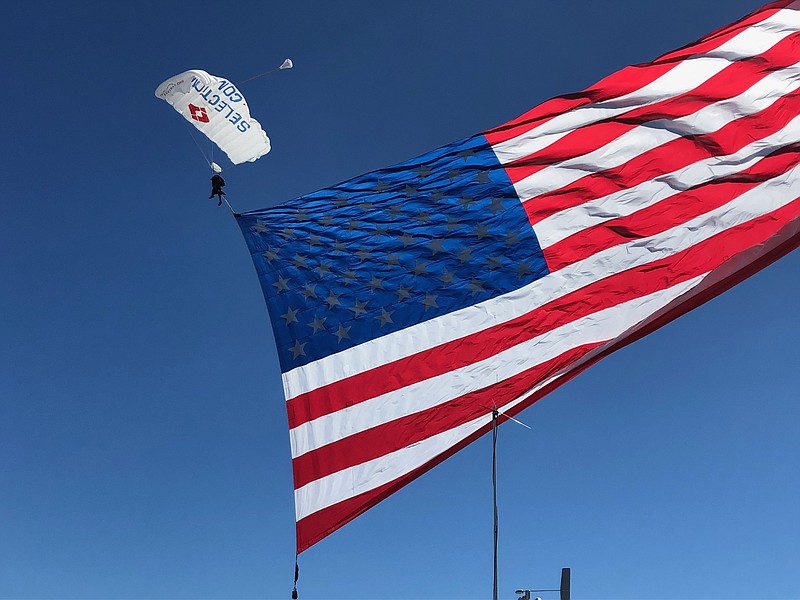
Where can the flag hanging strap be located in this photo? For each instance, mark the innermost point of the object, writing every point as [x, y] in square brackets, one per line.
[296, 575]
[495, 414]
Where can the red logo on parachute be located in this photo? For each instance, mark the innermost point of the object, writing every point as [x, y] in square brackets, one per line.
[198, 113]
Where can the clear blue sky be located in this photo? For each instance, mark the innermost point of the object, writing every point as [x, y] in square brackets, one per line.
[144, 450]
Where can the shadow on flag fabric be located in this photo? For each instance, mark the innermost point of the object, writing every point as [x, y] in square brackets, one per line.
[408, 301]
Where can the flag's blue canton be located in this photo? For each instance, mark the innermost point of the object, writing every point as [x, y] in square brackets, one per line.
[389, 249]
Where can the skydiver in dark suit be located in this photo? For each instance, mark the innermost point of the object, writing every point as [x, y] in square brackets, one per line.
[217, 183]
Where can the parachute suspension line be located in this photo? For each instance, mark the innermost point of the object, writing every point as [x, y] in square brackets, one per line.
[495, 413]
[196, 143]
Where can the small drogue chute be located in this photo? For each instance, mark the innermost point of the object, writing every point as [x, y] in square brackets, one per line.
[218, 109]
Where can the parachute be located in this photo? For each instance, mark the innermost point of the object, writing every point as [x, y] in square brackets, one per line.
[218, 109]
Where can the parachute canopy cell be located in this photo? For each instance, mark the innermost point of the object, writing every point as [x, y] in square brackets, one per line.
[218, 109]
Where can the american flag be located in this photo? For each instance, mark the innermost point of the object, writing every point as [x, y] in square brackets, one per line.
[410, 302]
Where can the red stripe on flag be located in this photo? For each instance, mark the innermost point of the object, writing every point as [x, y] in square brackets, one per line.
[667, 158]
[670, 212]
[628, 79]
[728, 83]
[322, 523]
[401, 433]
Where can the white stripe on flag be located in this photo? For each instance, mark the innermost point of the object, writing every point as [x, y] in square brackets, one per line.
[656, 133]
[686, 76]
[563, 224]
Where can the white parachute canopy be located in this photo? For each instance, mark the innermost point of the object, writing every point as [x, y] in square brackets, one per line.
[217, 108]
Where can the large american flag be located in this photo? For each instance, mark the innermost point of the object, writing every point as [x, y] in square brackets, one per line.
[409, 302]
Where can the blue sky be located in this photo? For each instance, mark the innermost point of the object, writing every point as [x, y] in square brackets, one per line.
[143, 440]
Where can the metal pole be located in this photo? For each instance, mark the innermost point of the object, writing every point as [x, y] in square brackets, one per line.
[494, 491]
[565, 591]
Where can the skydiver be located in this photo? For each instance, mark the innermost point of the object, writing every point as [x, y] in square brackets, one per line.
[217, 183]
